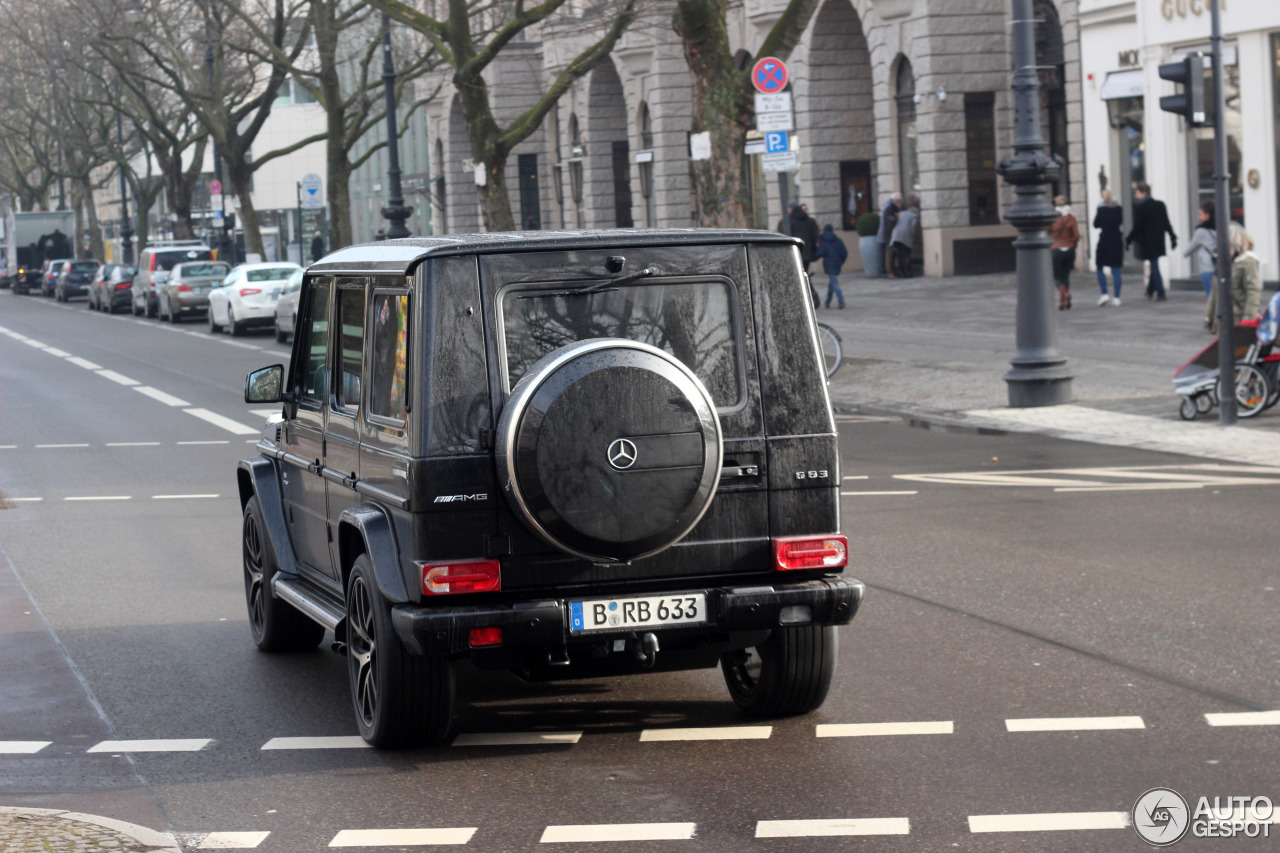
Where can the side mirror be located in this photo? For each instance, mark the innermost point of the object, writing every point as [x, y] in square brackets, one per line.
[265, 385]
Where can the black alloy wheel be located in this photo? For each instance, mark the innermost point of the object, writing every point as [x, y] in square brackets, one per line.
[399, 699]
[787, 675]
[276, 625]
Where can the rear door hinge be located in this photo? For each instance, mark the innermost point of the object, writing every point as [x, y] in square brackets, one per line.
[488, 437]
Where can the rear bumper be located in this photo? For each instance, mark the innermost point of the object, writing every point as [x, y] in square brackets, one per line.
[536, 625]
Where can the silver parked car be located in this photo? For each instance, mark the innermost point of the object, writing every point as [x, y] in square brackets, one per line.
[287, 307]
[186, 290]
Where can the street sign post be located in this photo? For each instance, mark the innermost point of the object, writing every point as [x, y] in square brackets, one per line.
[769, 75]
[312, 198]
[215, 187]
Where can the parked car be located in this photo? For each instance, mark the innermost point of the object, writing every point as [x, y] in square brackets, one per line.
[247, 297]
[109, 291]
[186, 290]
[154, 265]
[74, 280]
[570, 455]
[287, 307]
[49, 273]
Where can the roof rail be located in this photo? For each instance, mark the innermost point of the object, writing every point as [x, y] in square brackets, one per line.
[175, 243]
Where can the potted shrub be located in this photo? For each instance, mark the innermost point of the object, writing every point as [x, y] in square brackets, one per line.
[872, 256]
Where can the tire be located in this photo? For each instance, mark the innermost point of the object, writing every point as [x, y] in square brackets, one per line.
[1187, 409]
[1252, 391]
[214, 328]
[399, 699]
[150, 310]
[237, 330]
[832, 349]
[789, 674]
[133, 307]
[275, 624]
[281, 335]
[174, 317]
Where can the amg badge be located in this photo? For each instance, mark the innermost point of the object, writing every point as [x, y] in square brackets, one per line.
[453, 499]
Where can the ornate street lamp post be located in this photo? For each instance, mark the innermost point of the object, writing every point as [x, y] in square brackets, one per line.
[126, 226]
[1039, 376]
[395, 212]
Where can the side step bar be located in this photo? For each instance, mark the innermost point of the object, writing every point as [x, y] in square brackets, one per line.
[302, 596]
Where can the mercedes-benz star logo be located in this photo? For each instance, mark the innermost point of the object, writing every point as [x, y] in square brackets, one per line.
[622, 453]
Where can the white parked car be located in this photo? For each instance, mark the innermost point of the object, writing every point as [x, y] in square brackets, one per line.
[247, 296]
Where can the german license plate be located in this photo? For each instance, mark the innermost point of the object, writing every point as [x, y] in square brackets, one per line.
[624, 614]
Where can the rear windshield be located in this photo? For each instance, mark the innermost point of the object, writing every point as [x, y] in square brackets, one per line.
[271, 274]
[691, 320]
[166, 260]
[210, 269]
[84, 266]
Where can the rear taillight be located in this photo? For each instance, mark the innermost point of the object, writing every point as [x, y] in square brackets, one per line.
[250, 291]
[484, 637]
[461, 576]
[184, 288]
[123, 285]
[153, 263]
[806, 552]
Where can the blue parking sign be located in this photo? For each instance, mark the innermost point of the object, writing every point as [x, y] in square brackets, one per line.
[776, 141]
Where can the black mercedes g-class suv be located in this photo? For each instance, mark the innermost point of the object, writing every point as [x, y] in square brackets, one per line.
[566, 454]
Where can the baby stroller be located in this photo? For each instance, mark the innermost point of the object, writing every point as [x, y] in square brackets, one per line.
[1257, 370]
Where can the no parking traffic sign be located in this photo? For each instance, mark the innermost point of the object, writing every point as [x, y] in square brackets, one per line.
[769, 75]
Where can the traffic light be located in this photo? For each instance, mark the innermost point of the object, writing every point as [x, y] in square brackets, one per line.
[1190, 102]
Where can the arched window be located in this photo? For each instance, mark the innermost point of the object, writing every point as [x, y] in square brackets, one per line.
[1051, 68]
[441, 197]
[905, 97]
[576, 153]
[646, 166]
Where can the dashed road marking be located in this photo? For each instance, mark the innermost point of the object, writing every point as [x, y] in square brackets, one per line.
[52, 446]
[22, 747]
[227, 840]
[99, 498]
[933, 727]
[1073, 724]
[516, 738]
[219, 441]
[84, 362]
[1244, 718]
[342, 742]
[160, 396]
[866, 494]
[710, 733]
[828, 828]
[602, 832]
[32, 342]
[402, 837]
[23, 500]
[133, 444]
[1050, 822]
[220, 421]
[180, 497]
[116, 377]
[242, 346]
[857, 477]
[159, 745]
[59, 353]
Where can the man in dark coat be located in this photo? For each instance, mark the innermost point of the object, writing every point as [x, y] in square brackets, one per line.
[888, 219]
[802, 225]
[317, 247]
[1150, 224]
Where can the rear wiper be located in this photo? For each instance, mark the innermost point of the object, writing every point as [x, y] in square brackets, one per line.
[598, 287]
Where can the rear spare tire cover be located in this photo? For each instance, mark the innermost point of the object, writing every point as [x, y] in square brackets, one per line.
[609, 449]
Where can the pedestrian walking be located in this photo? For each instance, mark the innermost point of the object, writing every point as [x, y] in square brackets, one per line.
[1150, 224]
[317, 247]
[884, 235]
[1246, 281]
[1204, 245]
[1065, 232]
[833, 252]
[903, 238]
[1109, 220]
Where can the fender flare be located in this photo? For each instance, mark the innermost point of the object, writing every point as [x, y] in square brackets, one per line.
[258, 476]
[371, 524]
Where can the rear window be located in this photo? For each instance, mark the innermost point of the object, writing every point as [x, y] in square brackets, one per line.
[166, 260]
[84, 266]
[270, 274]
[691, 320]
[210, 269]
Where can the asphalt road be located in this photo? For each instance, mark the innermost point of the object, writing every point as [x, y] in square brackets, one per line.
[1106, 597]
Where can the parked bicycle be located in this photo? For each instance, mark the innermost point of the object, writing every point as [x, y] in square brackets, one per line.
[832, 348]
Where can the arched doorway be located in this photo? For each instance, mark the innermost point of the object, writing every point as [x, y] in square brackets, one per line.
[1051, 68]
[440, 195]
[904, 95]
[607, 168]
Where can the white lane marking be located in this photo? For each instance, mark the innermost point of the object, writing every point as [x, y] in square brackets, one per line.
[242, 346]
[264, 413]
[515, 738]
[159, 745]
[219, 441]
[824, 828]
[1073, 724]
[343, 742]
[133, 443]
[59, 353]
[1047, 822]
[220, 421]
[857, 477]
[402, 837]
[22, 747]
[1148, 487]
[157, 394]
[116, 377]
[709, 733]
[932, 727]
[180, 497]
[84, 362]
[618, 832]
[865, 419]
[100, 498]
[8, 446]
[42, 446]
[881, 493]
[32, 342]
[23, 500]
[231, 840]
[16, 336]
[1242, 718]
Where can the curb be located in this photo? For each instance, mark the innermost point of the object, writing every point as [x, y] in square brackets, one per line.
[57, 825]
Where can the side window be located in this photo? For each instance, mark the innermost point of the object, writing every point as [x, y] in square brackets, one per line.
[314, 345]
[351, 344]
[390, 355]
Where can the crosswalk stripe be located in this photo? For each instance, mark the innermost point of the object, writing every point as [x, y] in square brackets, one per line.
[1051, 822]
[402, 837]
[601, 832]
[826, 828]
[231, 840]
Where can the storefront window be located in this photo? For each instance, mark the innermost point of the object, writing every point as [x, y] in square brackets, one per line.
[1202, 150]
[908, 162]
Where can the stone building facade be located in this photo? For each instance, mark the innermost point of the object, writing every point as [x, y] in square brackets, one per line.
[889, 95]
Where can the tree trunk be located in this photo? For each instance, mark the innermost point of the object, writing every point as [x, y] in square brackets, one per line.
[240, 177]
[95, 232]
[482, 130]
[494, 200]
[339, 194]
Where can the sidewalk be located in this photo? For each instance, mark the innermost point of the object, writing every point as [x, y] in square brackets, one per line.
[937, 348]
[40, 830]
